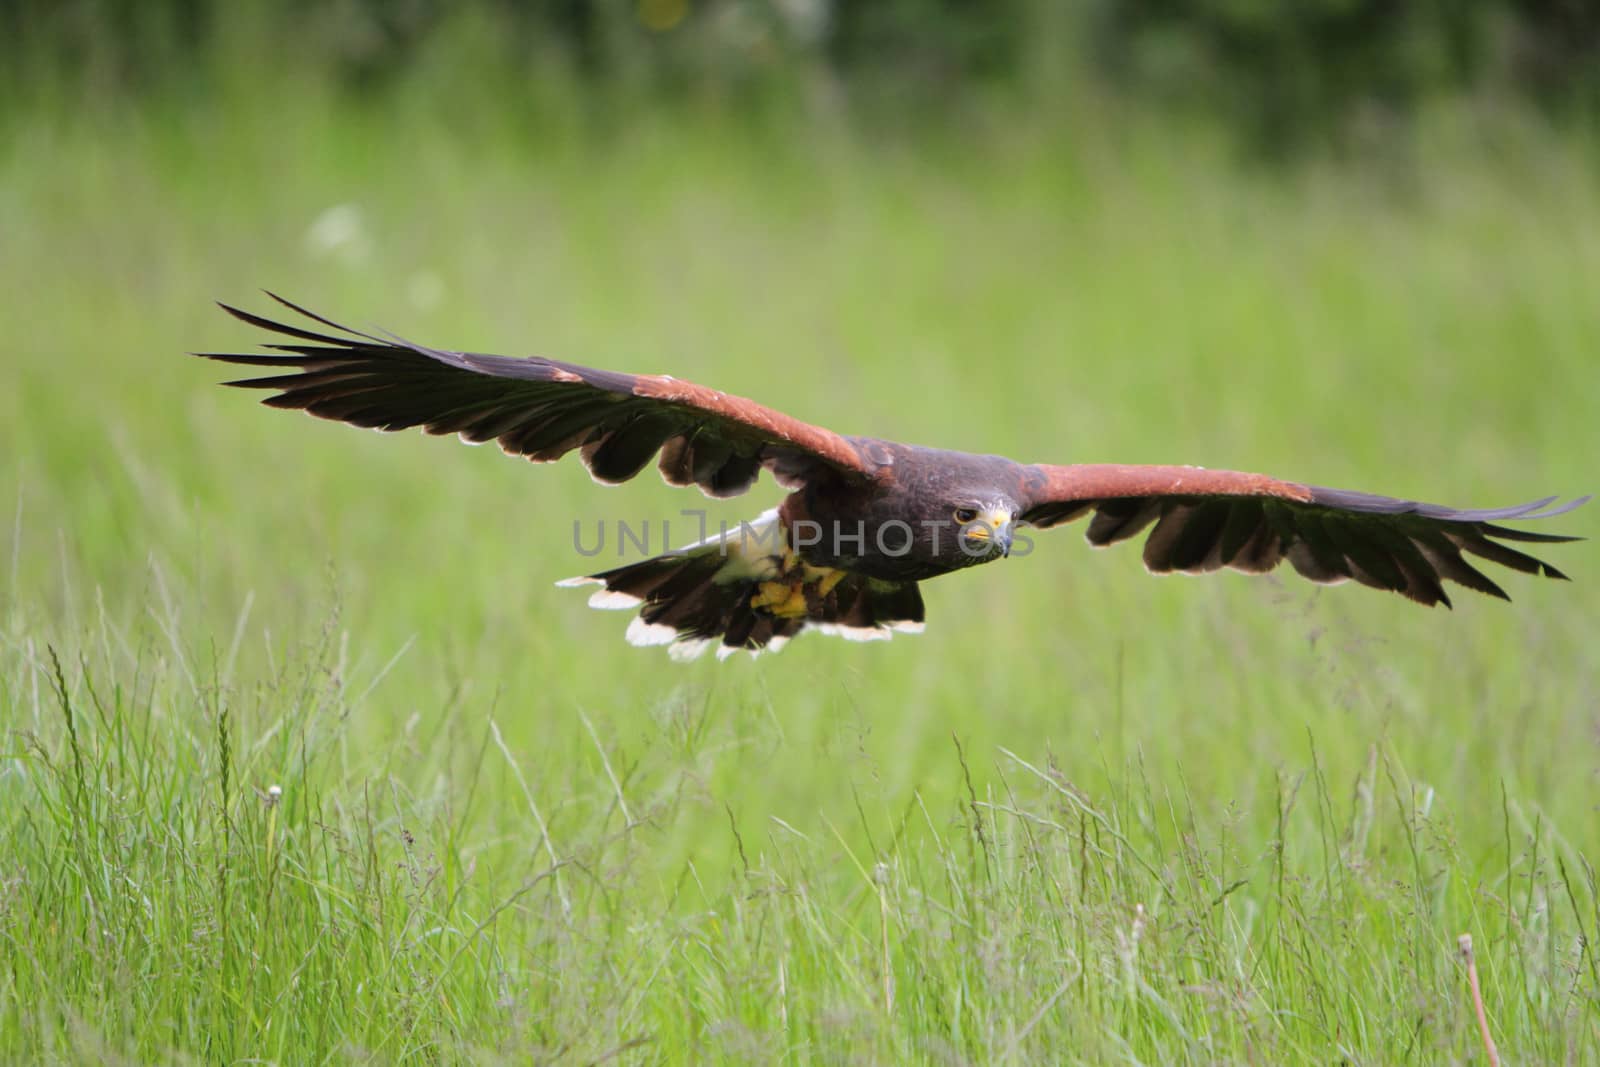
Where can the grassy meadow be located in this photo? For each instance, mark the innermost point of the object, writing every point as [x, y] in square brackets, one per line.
[1088, 817]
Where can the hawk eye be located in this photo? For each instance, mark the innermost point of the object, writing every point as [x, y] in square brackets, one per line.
[966, 515]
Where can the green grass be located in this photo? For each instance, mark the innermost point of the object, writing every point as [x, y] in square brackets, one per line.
[1089, 816]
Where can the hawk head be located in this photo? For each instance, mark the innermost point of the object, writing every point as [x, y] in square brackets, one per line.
[983, 527]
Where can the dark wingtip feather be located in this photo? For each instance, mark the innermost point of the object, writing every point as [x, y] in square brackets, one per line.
[272, 326]
[314, 317]
[1506, 533]
[252, 359]
[1571, 505]
[276, 381]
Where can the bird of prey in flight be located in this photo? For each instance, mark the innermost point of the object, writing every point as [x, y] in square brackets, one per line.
[865, 519]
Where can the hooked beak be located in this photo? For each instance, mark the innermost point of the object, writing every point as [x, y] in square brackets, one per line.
[1002, 538]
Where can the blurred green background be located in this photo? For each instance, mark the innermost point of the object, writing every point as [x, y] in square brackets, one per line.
[1089, 816]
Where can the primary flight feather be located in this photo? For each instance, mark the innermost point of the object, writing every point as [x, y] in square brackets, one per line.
[866, 519]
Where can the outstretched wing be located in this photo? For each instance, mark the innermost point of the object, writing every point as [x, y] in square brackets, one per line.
[543, 409]
[1205, 520]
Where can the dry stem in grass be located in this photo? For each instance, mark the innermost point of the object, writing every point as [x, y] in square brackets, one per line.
[1465, 943]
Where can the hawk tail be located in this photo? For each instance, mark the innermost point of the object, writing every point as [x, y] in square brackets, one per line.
[726, 593]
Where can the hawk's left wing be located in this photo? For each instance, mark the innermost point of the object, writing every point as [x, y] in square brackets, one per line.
[543, 408]
[1205, 520]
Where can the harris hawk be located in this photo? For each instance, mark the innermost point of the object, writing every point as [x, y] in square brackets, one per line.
[865, 519]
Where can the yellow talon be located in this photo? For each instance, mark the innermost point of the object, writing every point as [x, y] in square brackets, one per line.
[784, 599]
[788, 599]
[794, 607]
[829, 581]
[770, 593]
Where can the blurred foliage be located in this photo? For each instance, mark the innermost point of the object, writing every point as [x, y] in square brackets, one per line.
[1283, 73]
[1316, 64]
